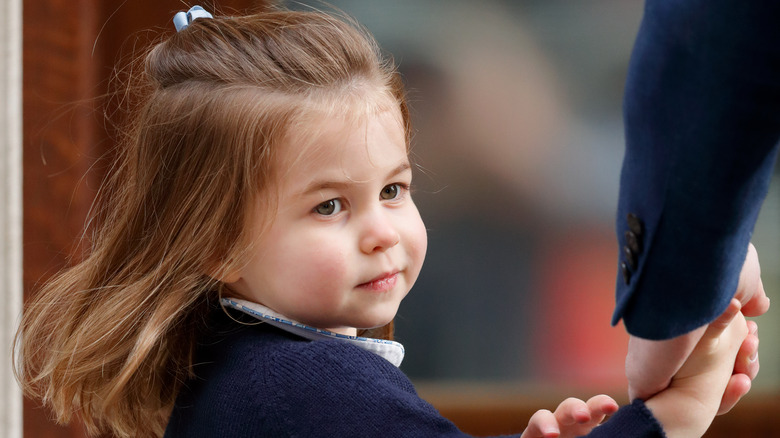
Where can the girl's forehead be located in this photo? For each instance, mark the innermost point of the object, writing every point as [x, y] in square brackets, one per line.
[324, 136]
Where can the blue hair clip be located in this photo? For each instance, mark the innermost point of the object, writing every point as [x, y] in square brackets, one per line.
[183, 19]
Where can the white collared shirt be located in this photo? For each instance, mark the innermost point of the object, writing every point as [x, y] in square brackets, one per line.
[392, 351]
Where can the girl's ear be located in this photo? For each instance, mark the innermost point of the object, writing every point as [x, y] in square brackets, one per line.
[223, 272]
[230, 277]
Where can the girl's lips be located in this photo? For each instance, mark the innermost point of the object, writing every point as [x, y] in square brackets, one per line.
[382, 283]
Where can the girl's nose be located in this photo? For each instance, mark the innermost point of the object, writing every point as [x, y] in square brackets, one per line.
[378, 234]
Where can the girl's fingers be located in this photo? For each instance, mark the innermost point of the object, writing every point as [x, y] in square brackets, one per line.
[600, 406]
[572, 417]
[747, 357]
[542, 425]
[738, 386]
[572, 411]
[745, 370]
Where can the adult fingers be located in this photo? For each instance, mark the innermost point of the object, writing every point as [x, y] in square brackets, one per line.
[750, 290]
[758, 303]
[542, 424]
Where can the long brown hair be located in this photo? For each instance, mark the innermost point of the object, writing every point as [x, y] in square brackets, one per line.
[111, 338]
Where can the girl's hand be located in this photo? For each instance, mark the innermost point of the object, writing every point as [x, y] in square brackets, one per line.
[745, 370]
[573, 417]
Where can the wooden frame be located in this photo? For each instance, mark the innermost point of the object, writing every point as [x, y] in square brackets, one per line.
[11, 212]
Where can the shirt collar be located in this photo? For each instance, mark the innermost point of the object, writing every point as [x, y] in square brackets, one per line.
[392, 351]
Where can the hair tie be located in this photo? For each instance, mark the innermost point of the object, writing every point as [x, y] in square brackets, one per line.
[181, 20]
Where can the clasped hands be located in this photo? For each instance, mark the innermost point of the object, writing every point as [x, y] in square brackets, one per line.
[685, 381]
[650, 365]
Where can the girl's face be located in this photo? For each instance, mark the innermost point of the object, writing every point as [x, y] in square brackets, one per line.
[346, 243]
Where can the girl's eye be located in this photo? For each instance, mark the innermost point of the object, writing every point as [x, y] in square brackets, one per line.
[328, 208]
[391, 192]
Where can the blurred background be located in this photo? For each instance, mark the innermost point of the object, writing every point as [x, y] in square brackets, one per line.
[518, 144]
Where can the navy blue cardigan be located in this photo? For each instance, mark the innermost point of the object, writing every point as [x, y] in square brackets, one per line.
[702, 121]
[259, 381]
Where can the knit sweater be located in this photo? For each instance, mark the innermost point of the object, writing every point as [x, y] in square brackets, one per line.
[261, 381]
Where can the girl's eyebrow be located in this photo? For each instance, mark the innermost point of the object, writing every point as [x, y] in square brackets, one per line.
[318, 185]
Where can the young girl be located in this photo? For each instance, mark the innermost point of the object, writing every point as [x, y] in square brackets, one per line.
[256, 238]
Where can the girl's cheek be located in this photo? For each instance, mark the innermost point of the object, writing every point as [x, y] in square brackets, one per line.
[423, 244]
[420, 240]
[328, 265]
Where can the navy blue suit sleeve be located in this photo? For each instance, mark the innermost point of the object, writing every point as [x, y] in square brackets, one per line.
[702, 123]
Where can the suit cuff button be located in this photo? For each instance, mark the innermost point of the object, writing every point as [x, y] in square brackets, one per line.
[635, 224]
[626, 272]
[630, 257]
[633, 242]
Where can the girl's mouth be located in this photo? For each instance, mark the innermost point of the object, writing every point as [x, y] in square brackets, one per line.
[383, 283]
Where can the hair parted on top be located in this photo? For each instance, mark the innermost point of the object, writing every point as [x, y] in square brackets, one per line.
[111, 338]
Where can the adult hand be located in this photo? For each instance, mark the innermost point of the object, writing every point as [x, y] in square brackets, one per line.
[750, 290]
